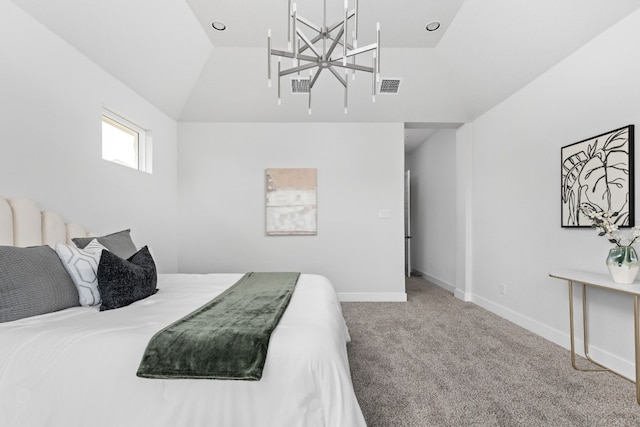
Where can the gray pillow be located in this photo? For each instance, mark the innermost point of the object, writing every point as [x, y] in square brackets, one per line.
[33, 281]
[119, 243]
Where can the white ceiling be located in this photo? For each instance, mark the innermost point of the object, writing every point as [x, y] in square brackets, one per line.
[156, 47]
[402, 22]
[485, 50]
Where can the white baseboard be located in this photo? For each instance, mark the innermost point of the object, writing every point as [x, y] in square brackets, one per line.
[445, 285]
[372, 296]
[441, 283]
[461, 295]
[615, 363]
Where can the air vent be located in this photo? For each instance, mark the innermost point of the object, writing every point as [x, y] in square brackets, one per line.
[299, 85]
[389, 86]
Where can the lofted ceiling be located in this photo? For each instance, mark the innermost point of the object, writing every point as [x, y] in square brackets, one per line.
[484, 51]
[402, 22]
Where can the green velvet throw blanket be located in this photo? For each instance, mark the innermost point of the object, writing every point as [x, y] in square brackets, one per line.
[228, 337]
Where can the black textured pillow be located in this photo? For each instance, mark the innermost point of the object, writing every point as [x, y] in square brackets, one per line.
[33, 281]
[119, 243]
[124, 281]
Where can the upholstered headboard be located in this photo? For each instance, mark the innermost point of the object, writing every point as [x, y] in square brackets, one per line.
[23, 224]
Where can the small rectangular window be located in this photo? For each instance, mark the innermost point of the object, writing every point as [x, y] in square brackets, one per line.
[123, 142]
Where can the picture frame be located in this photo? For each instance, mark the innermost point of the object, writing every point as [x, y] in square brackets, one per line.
[599, 172]
[291, 202]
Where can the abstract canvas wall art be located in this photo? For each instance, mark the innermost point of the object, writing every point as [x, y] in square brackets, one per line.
[291, 202]
[599, 172]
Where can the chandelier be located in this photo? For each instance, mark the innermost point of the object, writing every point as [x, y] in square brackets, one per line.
[332, 47]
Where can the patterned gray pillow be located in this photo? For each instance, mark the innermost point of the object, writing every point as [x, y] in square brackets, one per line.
[119, 243]
[82, 266]
[33, 281]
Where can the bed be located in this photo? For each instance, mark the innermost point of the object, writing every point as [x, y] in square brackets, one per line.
[77, 366]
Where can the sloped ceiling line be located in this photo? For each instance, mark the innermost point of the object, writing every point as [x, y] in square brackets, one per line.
[485, 51]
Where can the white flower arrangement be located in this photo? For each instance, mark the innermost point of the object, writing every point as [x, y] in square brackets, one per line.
[604, 223]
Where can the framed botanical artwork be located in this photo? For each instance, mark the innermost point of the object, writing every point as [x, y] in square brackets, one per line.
[597, 174]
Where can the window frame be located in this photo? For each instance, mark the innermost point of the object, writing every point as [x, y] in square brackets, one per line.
[143, 138]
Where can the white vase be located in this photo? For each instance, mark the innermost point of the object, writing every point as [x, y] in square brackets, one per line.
[623, 264]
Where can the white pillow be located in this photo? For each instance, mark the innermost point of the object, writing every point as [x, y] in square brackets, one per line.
[82, 266]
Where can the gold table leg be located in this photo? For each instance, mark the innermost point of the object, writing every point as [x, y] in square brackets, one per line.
[571, 333]
[585, 333]
[585, 336]
[636, 329]
[585, 330]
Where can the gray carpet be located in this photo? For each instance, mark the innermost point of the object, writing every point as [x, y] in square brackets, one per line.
[438, 361]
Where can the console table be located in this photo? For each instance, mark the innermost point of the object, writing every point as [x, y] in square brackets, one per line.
[603, 281]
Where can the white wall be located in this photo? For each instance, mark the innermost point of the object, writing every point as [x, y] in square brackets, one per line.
[517, 238]
[50, 139]
[433, 208]
[235, 90]
[360, 171]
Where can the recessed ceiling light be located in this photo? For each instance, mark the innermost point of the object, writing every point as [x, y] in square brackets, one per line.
[433, 26]
[219, 25]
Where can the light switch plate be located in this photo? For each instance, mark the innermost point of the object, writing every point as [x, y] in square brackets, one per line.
[384, 214]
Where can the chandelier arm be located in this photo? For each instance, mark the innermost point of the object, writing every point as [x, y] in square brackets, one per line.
[353, 66]
[373, 79]
[309, 24]
[363, 49]
[286, 54]
[378, 51]
[346, 92]
[349, 45]
[324, 27]
[279, 83]
[335, 25]
[335, 43]
[309, 43]
[289, 24]
[338, 76]
[313, 41]
[294, 30]
[355, 29]
[345, 31]
[297, 69]
[269, 57]
[324, 13]
[314, 78]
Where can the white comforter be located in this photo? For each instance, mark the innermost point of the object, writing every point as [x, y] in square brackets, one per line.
[77, 367]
